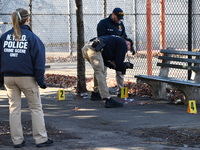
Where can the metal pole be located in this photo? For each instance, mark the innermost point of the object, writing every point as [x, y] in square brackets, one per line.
[70, 27]
[30, 9]
[189, 33]
[196, 20]
[149, 36]
[162, 25]
[105, 9]
[135, 25]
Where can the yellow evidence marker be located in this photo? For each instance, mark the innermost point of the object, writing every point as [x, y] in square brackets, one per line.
[192, 107]
[124, 92]
[61, 94]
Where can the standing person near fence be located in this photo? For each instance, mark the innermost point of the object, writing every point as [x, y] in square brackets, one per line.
[22, 57]
[112, 25]
[106, 51]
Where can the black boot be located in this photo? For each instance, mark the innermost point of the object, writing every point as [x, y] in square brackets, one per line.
[95, 96]
[20, 145]
[47, 143]
[111, 103]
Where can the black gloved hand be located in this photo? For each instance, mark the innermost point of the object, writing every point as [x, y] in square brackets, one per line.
[133, 51]
[128, 65]
[43, 85]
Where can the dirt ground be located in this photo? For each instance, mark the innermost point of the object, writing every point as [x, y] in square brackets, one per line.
[78, 123]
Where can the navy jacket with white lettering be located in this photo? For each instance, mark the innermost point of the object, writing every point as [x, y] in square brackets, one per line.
[108, 27]
[22, 58]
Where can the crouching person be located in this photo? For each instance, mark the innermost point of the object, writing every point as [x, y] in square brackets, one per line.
[106, 51]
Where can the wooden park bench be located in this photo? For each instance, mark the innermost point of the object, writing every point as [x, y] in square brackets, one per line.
[188, 60]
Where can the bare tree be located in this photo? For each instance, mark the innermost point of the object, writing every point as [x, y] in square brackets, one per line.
[81, 84]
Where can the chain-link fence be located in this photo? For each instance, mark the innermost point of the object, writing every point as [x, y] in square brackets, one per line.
[55, 23]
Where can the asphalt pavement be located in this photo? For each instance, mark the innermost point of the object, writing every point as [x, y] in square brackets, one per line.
[77, 123]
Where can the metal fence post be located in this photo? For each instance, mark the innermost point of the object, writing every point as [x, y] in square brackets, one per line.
[162, 25]
[30, 9]
[189, 33]
[105, 8]
[135, 26]
[195, 27]
[70, 27]
[149, 36]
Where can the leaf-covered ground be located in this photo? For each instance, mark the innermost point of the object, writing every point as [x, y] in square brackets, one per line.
[134, 89]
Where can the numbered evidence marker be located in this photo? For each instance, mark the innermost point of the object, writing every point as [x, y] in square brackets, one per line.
[61, 94]
[192, 107]
[124, 92]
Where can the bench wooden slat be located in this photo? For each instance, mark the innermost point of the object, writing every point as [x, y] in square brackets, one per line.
[190, 53]
[179, 66]
[169, 80]
[180, 59]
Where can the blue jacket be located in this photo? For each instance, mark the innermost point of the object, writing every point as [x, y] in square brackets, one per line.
[115, 50]
[22, 58]
[108, 27]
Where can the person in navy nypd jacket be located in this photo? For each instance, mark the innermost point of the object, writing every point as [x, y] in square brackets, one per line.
[106, 51]
[113, 25]
[22, 64]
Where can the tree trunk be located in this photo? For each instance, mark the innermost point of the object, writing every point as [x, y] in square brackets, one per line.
[81, 84]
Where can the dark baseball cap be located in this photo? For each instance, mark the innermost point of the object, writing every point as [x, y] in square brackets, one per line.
[119, 13]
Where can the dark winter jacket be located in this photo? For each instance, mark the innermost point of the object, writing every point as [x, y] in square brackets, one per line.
[115, 50]
[108, 27]
[22, 58]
